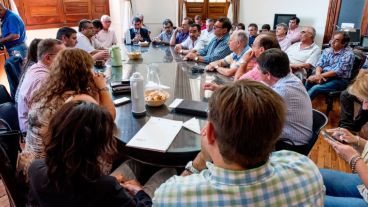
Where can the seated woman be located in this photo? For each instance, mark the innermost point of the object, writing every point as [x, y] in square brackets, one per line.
[345, 189]
[79, 137]
[71, 77]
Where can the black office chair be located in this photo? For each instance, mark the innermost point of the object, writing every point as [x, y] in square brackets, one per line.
[319, 121]
[8, 112]
[13, 69]
[331, 96]
[9, 149]
[4, 95]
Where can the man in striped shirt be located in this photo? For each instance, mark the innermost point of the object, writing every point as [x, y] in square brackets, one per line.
[240, 168]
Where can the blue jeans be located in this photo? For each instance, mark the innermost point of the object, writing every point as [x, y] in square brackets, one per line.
[21, 49]
[341, 189]
[338, 84]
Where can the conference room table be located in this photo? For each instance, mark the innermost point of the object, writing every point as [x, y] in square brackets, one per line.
[179, 81]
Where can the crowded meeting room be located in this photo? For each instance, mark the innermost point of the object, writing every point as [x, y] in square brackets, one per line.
[135, 102]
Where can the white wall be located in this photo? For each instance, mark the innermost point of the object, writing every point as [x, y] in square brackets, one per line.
[311, 13]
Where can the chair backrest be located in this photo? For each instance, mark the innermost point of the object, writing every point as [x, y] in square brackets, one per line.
[4, 95]
[13, 69]
[9, 149]
[359, 60]
[319, 121]
[9, 113]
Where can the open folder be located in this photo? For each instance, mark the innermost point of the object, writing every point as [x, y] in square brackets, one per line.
[157, 134]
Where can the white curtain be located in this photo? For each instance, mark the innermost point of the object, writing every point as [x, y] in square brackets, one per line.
[128, 14]
[230, 12]
[13, 7]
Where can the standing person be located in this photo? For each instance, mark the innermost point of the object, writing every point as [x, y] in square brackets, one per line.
[106, 36]
[71, 173]
[13, 32]
[294, 30]
[237, 165]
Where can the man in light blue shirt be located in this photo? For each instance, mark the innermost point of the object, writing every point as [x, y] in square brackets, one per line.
[218, 48]
[13, 32]
[165, 36]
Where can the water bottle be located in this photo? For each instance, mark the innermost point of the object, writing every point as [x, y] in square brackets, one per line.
[128, 40]
[137, 94]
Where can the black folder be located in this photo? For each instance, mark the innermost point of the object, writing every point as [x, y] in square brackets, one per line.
[196, 108]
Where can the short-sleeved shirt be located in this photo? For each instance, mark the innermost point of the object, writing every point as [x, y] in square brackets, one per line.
[293, 35]
[189, 43]
[298, 55]
[181, 37]
[165, 37]
[204, 39]
[233, 60]
[84, 43]
[341, 62]
[287, 179]
[13, 24]
[284, 43]
[107, 38]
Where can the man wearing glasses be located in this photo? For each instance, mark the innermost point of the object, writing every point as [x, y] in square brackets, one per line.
[218, 47]
[333, 68]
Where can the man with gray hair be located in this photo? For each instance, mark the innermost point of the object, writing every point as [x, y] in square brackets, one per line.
[206, 35]
[281, 32]
[46, 51]
[238, 44]
[106, 36]
[304, 55]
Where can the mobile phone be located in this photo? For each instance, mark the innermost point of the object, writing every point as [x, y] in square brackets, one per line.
[120, 101]
[334, 139]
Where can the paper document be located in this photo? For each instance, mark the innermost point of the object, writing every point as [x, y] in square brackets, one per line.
[193, 125]
[157, 134]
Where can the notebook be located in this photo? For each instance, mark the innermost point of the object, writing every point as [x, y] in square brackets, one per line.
[195, 108]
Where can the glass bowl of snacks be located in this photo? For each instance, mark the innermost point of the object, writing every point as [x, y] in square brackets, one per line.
[134, 55]
[155, 97]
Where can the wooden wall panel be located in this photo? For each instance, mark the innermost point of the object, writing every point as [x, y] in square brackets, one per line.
[207, 9]
[333, 15]
[364, 26]
[38, 14]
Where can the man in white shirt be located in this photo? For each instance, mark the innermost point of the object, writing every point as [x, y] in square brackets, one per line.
[84, 37]
[106, 36]
[304, 55]
[206, 35]
[186, 46]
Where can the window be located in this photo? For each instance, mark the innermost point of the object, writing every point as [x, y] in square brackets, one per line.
[207, 8]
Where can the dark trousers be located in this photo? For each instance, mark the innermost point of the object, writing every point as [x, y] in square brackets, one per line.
[347, 119]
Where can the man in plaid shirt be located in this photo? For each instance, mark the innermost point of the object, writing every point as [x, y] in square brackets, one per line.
[236, 166]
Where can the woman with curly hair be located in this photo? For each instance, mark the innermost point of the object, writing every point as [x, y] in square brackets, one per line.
[71, 78]
[70, 175]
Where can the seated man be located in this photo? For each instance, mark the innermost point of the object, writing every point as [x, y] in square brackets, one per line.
[206, 35]
[218, 47]
[294, 30]
[106, 35]
[97, 27]
[165, 36]
[186, 46]
[69, 37]
[274, 67]
[262, 43]
[347, 100]
[84, 37]
[333, 68]
[304, 55]
[181, 33]
[244, 171]
[138, 33]
[281, 31]
[238, 44]
[252, 33]
[198, 20]
[265, 28]
[47, 49]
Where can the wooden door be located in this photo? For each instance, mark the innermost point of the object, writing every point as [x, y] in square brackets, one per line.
[207, 8]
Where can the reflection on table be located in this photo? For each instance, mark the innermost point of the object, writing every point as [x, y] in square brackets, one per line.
[181, 83]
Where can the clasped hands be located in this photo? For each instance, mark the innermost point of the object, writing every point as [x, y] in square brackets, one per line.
[132, 186]
[316, 79]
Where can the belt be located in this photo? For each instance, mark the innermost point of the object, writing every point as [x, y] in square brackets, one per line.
[14, 45]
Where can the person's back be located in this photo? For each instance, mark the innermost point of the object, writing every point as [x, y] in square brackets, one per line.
[288, 179]
[236, 165]
[104, 191]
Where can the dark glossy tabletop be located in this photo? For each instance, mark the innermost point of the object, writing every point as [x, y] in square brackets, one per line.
[182, 84]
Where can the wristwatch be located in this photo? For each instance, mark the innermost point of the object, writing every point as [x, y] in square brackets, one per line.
[189, 167]
[196, 58]
[217, 66]
[181, 51]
